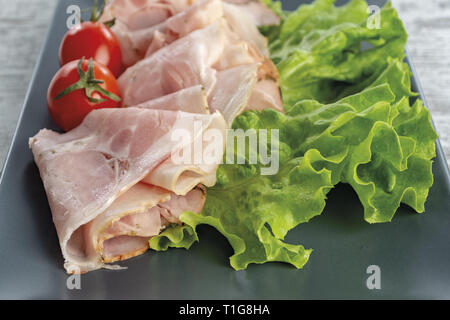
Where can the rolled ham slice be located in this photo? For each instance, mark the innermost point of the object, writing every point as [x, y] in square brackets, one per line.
[266, 95]
[94, 177]
[140, 14]
[259, 13]
[135, 43]
[124, 229]
[185, 63]
[242, 24]
[233, 90]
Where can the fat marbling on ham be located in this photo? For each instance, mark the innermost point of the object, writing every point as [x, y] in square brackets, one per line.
[95, 179]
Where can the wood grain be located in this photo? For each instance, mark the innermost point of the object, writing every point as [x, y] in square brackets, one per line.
[23, 27]
[24, 24]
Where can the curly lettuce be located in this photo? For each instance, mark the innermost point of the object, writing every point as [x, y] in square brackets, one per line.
[351, 117]
[334, 52]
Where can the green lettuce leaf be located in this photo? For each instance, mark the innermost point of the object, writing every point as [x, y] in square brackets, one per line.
[320, 56]
[389, 143]
[320, 15]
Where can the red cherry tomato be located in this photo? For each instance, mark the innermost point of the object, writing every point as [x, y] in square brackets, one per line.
[92, 40]
[71, 97]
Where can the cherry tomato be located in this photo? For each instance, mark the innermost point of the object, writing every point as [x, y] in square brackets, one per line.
[92, 40]
[78, 88]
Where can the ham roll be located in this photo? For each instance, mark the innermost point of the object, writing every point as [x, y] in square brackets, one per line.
[112, 183]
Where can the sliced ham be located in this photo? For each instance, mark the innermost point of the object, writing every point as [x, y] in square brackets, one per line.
[239, 52]
[260, 14]
[215, 36]
[192, 99]
[230, 96]
[140, 14]
[185, 63]
[199, 59]
[135, 43]
[92, 176]
[233, 90]
[124, 229]
[241, 23]
[143, 27]
[187, 168]
[266, 95]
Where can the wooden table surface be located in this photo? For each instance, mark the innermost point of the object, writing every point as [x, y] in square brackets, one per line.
[24, 24]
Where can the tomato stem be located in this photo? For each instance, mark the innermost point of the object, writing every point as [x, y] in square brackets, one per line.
[89, 84]
[96, 14]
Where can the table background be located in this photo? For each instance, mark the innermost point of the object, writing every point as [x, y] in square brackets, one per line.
[24, 24]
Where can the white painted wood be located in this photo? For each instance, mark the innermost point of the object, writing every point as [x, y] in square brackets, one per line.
[428, 26]
[23, 26]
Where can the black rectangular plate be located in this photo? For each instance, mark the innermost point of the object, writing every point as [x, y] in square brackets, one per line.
[413, 251]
